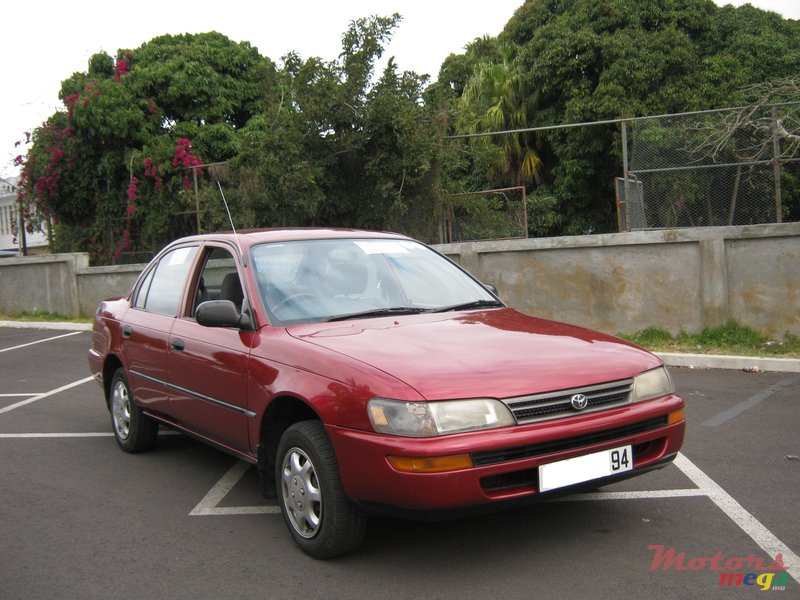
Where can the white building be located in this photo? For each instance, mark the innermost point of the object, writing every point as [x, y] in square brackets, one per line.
[36, 242]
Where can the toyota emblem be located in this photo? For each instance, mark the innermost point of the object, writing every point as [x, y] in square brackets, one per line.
[578, 401]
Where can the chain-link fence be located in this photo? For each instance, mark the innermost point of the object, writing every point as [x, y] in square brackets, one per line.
[485, 215]
[731, 166]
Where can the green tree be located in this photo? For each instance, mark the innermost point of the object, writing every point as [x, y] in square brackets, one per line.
[333, 147]
[307, 143]
[496, 99]
[590, 60]
[114, 167]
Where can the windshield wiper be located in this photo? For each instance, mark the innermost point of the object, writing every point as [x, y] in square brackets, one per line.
[471, 305]
[379, 312]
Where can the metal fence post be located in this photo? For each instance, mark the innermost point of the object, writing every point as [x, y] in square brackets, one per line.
[196, 199]
[626, 196]
[23, 241]
[525, 212]
[776, 165]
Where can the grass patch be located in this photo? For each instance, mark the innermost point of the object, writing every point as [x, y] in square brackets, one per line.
[42, 316]
[731, 338]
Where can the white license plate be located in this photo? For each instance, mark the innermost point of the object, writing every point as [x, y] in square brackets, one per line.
[585, 468]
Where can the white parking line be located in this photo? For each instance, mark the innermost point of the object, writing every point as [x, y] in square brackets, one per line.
[40, 341]
[738, 409]
[705, 487]
[762, 536]
[20, 395]
[640, 495]
[746, 522]
[11, 407]
[15, 436]
[85, 434]
[208, 505]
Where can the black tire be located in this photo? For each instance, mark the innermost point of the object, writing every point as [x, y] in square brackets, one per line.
[321, 518]
[134, 431]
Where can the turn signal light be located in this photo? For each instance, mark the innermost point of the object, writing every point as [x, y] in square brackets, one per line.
[675, 417]
[435, 464]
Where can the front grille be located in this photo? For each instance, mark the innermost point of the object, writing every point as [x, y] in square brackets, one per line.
[508, 481]
[553, 405]
[492, 457]
[529, 478]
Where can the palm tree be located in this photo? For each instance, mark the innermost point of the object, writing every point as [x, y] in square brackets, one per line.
[496, 99]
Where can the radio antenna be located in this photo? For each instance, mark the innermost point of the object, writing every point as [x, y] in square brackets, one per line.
[230, 219]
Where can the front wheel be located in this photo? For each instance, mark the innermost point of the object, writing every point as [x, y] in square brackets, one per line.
[320, 517]
[134, 431]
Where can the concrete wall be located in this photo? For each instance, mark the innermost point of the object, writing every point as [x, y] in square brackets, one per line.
[679, 280]
[98, 283]
[41, 283]
[60, 283]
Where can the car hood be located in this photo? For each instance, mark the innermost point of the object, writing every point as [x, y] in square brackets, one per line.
[498, 353]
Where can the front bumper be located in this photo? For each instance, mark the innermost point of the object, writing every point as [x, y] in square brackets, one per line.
[505, 461]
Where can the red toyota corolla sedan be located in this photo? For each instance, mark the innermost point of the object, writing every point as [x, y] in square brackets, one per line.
[364, 372]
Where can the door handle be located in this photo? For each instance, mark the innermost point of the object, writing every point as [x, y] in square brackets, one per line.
[178, 345]
[127, 331]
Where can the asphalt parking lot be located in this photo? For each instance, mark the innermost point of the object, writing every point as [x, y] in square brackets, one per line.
[80, 518]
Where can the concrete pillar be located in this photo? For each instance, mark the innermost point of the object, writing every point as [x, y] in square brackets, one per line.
[714, 282]
[469, 260]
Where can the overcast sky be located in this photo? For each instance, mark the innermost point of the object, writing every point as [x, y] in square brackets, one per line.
[44, 42]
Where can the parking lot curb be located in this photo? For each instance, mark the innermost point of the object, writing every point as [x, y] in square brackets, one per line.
[54, 325]
[739, 363]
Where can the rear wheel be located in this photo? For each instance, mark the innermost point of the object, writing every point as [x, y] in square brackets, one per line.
[320, 517]
[134, 431]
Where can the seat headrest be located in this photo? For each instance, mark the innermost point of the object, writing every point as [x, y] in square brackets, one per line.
[232, 289]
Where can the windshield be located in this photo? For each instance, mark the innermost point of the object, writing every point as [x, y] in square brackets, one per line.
[336, 279]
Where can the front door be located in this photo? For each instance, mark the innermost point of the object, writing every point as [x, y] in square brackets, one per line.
[208, 366]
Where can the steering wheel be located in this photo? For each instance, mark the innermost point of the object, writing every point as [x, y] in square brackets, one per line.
[291, 298]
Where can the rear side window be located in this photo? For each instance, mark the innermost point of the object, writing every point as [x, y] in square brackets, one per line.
[161, 290]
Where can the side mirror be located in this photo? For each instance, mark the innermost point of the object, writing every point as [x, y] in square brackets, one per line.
[219, 313]
[491, 288]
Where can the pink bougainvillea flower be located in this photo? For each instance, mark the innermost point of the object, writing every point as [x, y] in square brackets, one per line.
[132, 196]
[184, 154]
[122, 67]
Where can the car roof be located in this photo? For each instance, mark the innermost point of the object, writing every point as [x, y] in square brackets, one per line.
[252, 237]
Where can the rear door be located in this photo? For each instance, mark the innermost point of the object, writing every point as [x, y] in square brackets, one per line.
[147, 324]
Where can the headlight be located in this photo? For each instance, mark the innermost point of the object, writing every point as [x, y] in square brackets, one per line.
[428, 419]
[652, 384]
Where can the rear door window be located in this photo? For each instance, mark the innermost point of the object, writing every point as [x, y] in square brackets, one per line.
[161, 291]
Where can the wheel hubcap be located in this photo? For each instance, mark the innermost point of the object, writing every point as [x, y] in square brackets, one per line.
[302, 496]
[121, 410]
